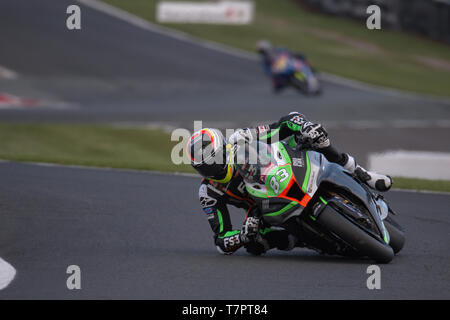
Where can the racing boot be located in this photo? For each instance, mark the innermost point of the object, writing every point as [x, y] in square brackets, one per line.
[374, 180]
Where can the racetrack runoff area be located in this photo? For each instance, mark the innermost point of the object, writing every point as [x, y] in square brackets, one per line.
[412, 164]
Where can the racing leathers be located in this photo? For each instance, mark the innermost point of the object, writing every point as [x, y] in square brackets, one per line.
[214, 197]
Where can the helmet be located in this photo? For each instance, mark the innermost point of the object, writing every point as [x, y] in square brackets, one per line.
[210, 155]
[263, 46]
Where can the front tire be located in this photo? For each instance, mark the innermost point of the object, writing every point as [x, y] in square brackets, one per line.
[365, 244]
[396, 234]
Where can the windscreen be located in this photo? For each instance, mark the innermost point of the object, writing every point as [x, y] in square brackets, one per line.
[254, 161]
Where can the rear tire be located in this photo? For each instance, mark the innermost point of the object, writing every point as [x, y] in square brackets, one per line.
[396, 234]
[348, 231]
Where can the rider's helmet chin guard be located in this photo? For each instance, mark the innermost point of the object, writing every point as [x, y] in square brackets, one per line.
[210, 155]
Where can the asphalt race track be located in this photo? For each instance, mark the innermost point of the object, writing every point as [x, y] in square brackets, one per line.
[130, 241]
[143, 235]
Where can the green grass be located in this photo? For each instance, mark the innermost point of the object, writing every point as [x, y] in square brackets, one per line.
[115, 147]
[421, 184]
[334, 45]
[89, 145]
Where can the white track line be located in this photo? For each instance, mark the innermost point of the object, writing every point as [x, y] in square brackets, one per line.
[182, 36]
[7, 274]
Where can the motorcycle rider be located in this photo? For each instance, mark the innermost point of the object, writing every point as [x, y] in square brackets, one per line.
[269, 55]
[222, 184]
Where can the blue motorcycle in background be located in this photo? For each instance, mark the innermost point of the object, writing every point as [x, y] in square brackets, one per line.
[292, 71]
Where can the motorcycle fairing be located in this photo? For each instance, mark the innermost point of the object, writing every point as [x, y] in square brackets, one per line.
[338, 176]
[288, 199]
[306, 170]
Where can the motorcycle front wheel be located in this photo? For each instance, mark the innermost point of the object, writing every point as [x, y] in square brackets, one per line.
[352, 234]
[396, 234]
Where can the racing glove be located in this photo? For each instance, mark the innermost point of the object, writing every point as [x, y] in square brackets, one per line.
[241, 135]
[316, 134]
[250, 229]
[253, 241]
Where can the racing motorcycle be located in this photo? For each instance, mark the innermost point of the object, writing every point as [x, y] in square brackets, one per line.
[297, 72]
[325, 206]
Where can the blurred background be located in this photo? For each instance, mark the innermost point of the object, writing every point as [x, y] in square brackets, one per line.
[427, 18]
[105, 85]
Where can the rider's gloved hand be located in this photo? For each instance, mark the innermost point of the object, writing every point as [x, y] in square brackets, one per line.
[316, 134]
[250, 229]
[252, 239]
[241, 135]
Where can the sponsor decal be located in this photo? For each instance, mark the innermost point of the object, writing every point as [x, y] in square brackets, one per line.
[298, 119]
[241, 187]
[205, 199]
[230, 242]
[207, 202]
[312, 180]
[298, 162]
[208, 210]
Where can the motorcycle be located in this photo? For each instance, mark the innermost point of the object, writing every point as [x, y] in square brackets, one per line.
[325, 206]
[297, 72]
